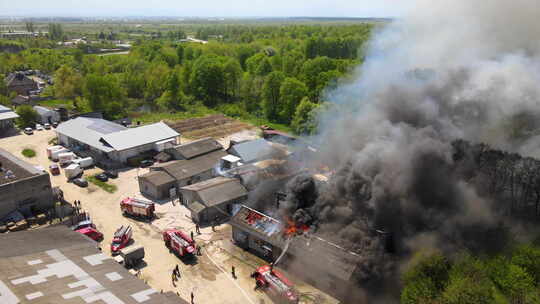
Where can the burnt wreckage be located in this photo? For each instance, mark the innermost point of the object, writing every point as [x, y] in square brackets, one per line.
[334, 230]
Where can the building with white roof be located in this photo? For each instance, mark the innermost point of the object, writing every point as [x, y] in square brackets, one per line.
[107, 142]
[46, 115]
[7, 118]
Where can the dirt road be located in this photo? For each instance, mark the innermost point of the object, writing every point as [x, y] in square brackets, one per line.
[208, 278]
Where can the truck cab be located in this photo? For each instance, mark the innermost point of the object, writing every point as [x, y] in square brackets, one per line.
[121, 239]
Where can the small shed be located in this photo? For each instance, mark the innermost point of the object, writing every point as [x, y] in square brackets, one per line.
[213, 200]
[156, 184]
[46, 115]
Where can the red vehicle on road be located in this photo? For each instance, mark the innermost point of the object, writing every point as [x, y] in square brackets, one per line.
[92, 233]
[275, 283]
[179, 242]
[137, 208]
[121, 239]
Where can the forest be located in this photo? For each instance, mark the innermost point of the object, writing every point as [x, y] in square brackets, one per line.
[272, 74]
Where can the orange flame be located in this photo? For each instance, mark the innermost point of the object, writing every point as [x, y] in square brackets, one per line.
[293, 228]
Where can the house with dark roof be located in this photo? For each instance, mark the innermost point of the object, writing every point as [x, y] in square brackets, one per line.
[213, 200]
[108, 142]
[7, 118]
[183, 172]
[20, 83]
[256, 150]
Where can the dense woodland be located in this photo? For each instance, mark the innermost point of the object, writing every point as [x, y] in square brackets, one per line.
[275, 73]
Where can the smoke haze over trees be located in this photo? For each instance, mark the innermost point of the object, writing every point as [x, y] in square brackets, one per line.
[451, 70]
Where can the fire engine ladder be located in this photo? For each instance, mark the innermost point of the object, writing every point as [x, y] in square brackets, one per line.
[272, 279]
[179, 240]
[139, 203]
[122, 231]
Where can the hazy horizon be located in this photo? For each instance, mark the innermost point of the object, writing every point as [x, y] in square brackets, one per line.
[205, 8]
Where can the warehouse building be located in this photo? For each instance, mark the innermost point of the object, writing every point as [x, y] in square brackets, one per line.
[110, 143]
[23, 187]
[195, 148]
[214, 199]
[7, 118]
[58, 265]
[332, 267]
[165, 180]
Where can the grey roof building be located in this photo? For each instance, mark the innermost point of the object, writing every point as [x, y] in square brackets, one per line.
[47, 115]
[213, 198]
[7, 118]
[58, 265]
[264, 235]
[195, 148]
[108, 141]
[23, 187]
[183, 172]
[255, 150]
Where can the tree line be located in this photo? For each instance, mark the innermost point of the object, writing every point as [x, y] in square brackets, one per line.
[278, 75]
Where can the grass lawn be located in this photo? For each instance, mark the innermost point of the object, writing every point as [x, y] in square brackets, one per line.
[103, 185]
[28, 153]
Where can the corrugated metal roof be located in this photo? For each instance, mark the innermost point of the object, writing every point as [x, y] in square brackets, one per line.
[254, 150]
[4, 109]
[198, 147]
[157, 178]
[182, 169]
[42, 110]
[89, 131]
[135, 137]
[8, 115]
[218, 190]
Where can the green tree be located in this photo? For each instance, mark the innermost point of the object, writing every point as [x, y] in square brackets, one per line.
[207, 78]
[68, 83]
[291, 92]
[180, 53]
[232, 73]
[528, 258]
[3, 86]
[271, 95]
[311, 72]
[104, 93]
[155, 78]
[27, 116]
[304, 121]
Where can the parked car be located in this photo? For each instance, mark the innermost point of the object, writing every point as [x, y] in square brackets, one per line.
[111, 173]
[55, 169]
[39, 127]
[47, 126]
[146, 163]
[28, 131]
[81, 182]
[55, 124]
[102, 177]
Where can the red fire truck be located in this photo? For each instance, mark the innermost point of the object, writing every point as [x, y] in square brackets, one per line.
[92, 233]
[137, 207]
[177, 241]
[275, 283]
[121, 239]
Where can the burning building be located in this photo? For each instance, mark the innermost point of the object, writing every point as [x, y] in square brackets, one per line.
[331, 267]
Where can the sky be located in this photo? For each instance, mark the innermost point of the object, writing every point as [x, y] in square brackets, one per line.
[206, 8]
